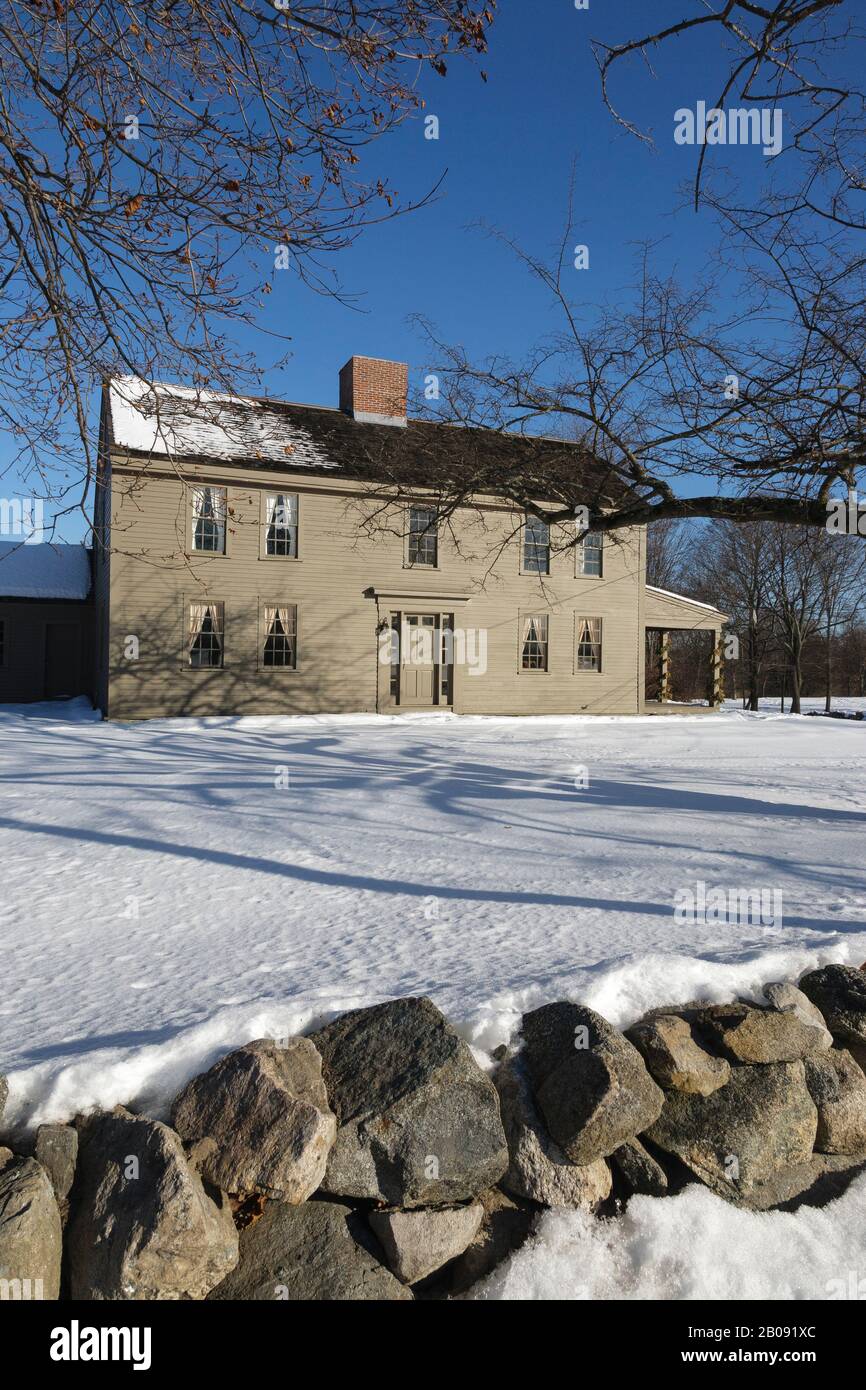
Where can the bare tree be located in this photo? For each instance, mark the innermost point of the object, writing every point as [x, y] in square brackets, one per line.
[158, 161]
[765, 401]
[841, 567]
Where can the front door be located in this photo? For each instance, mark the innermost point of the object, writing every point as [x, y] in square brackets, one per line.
[419, 660]
[62, 660]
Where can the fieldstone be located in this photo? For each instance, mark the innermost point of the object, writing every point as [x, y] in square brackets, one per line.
[4, 1093]
[639, 1170]
[57, 1151]
[142, 1225]
[746, 1133]
[417, 1243]
[320, 1251]
[787, 998]
[266, 1109]
[418, 1119]
[538, 1169]
[506, 1224]
[858, 1052]
[674, 1057]
[838, 1088]
[839, 991]
[30, 1232]
[748, 1035]
[589, 1083]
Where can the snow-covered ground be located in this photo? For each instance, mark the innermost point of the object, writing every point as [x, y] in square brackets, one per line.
[174, 888]
[692, 1246]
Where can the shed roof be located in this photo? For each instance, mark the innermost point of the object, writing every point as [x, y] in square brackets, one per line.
[44, 571]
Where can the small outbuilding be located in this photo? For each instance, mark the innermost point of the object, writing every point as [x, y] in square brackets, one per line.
[46, 622]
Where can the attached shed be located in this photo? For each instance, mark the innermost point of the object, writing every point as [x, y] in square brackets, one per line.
[46, 622]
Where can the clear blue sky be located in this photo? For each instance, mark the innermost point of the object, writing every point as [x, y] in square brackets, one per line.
[508, 147]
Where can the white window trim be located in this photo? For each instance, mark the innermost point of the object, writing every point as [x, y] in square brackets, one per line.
[579, 555]
[264, 523]
[191, 520]
[588, 618]
[534, 574]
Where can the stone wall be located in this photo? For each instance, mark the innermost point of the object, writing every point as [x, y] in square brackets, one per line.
[375, 1159]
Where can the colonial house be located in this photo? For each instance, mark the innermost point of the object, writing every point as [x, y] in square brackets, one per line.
[259, 557]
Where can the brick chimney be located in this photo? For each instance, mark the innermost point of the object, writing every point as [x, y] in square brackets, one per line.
[374, 390]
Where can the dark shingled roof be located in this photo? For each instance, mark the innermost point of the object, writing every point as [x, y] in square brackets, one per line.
[257, 433]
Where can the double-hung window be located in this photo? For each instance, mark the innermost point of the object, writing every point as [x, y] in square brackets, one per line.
[209, 519]
[534, 645]
[589, 555]
[280, 626]
[205, 642]
[281, 525]
[423, 541]
[536, 546]
[588, 653]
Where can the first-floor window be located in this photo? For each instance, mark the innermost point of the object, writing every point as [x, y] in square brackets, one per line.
[588, 644]
[206, 634]
[534, 657]
[281, 637]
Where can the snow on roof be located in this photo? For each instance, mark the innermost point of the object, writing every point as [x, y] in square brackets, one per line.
[44, 571]
[683, 598]
[180, 422]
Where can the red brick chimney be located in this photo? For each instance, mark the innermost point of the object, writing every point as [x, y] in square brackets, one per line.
[374, 390]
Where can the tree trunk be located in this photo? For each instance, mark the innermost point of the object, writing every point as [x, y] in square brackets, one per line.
[828, 675]
[796, 677]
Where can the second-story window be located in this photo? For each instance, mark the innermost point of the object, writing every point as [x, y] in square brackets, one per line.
[536, 546]
[423, 542]
[281, 533]
[589, 555]
[209, 519]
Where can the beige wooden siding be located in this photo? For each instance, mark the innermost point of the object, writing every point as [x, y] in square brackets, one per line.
[345, 584]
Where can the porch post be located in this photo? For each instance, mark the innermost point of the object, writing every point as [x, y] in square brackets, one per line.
[664, 668]
[717, 670]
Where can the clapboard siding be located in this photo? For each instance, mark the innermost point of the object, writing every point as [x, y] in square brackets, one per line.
[153, 578]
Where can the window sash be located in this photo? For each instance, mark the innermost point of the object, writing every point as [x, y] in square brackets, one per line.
[535, 642]
[280, 647]
[423, 538]
[205, 645]
[536, 546]
[588, 645]
[209, 519]
[281, 529]
[590, 552]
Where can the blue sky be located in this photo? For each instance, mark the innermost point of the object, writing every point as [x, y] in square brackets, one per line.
[508, 146]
